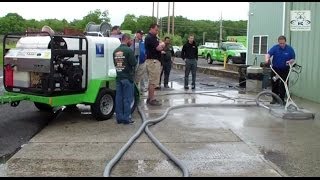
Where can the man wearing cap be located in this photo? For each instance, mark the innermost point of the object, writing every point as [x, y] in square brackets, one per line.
[136, 44]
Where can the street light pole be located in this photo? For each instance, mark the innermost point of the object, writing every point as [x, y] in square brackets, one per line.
[152, 10]
[173, 18]
[168, 17]
[220, 38]
[157, 12]
[204, 36]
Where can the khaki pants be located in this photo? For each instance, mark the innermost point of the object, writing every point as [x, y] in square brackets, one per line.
[153, 70]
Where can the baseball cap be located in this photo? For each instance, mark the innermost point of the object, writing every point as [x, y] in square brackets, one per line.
[140, 32]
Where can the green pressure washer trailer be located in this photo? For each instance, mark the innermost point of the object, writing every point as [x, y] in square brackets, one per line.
[61, 70]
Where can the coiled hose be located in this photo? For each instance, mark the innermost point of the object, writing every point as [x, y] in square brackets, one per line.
[144, 126]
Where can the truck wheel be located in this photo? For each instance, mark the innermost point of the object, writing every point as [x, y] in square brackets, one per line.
[209, 60]
[229, 60]
[104, 106]
[43, 107]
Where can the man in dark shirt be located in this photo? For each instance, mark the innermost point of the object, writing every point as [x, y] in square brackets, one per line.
[190, 53]
[153, 64]
[166, 58]
[125, 63]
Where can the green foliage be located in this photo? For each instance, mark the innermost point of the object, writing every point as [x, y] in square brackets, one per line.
[144, 22]
[176, 40]
[202, 29]
[1, 55]
[13, 22]
[95, 16]
[129, 23]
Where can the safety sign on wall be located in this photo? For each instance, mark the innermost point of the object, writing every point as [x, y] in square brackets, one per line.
[100, 50]
[300, 20]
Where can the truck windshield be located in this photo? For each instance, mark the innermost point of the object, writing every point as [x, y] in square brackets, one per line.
[236, 47]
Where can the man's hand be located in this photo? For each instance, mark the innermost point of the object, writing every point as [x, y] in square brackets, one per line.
[267, 59]
[291, 61]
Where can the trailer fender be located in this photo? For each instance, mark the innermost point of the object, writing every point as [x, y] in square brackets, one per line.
[94, 87]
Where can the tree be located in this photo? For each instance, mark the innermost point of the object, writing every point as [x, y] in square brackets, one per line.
[95, 16]
[12, 22]
[129, 23]
[144, 22]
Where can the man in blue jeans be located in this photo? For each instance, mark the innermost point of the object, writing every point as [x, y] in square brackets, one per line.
[125, 63]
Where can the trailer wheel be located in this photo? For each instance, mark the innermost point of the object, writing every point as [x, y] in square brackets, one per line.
[43, 107]
[104, 106]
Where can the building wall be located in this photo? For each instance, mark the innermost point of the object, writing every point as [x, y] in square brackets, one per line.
[273, 19]
[265, 18]
[307, 48]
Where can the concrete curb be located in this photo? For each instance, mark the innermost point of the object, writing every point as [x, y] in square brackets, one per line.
[210, 71]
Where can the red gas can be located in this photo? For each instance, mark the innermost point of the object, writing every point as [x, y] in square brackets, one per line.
[8, 76]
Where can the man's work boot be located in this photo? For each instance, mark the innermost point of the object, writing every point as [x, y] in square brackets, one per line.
[274, 101]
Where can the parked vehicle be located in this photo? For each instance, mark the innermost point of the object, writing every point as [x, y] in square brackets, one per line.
[235, 53]
[177, 51]
[81, 72]
[201, 50]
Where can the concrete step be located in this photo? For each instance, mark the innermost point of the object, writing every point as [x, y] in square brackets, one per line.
[216, 71]
[142, 159]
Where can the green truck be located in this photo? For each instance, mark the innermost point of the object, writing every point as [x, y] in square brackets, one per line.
[233, 51]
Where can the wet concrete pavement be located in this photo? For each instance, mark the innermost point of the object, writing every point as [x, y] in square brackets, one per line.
[216, 141]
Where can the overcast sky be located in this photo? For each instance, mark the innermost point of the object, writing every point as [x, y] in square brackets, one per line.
[117, 10]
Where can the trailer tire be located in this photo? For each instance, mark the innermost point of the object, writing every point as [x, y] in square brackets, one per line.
[104, 106]
[43, 107]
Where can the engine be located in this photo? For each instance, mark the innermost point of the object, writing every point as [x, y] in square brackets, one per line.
[37, 67]
[67, 75]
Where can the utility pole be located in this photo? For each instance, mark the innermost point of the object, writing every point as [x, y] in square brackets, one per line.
[220, 38]
[152, 10]
[204, 37]
[173, 18]
[157, 12]
[161, 26]
[168, 17]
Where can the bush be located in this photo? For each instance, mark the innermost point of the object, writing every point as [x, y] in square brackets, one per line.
[175, 40]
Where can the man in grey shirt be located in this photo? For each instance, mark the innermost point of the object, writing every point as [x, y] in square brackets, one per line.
[116, 33]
